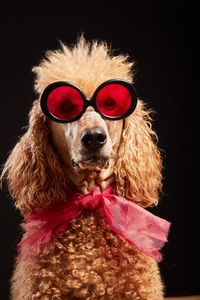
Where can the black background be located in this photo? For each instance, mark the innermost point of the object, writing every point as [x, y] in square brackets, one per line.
[162, 37]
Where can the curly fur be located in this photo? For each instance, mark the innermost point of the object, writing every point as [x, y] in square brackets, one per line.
[88, 261]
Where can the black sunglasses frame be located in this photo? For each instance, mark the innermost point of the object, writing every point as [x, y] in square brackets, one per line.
[87, 102]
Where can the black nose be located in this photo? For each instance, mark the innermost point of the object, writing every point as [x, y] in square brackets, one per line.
[94, 138]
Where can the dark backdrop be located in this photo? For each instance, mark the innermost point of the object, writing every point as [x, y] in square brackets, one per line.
[162, 38]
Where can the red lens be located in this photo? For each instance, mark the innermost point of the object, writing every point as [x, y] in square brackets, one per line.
[65, 102]
[113, 100]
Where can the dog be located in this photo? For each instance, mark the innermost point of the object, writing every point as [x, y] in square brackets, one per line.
[72, 148]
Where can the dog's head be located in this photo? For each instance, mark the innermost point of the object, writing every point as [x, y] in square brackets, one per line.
[92, 148]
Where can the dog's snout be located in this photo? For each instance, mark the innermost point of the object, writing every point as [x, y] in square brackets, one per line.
[93, 138]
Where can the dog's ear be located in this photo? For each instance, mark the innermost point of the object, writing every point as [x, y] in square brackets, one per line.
[33, 171]
[138, 169]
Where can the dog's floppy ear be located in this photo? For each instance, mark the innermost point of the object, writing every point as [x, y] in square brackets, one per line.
[33, 171]
[138, 169]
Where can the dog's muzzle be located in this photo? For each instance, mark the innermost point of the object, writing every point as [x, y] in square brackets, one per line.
[93, 154]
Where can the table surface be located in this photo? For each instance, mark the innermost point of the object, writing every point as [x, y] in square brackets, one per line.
[184, 298]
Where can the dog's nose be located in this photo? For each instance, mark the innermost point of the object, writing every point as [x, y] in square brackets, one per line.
[94, 138]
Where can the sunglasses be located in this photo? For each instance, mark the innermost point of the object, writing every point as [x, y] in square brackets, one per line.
[64, 102]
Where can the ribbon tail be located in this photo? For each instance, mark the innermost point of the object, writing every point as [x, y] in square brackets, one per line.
[41, 232]
[34, 241]
[140, 228]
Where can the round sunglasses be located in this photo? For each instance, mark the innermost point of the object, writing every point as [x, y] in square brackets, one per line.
[64, 102]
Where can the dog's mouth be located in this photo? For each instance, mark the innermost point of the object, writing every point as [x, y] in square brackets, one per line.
[91, 163]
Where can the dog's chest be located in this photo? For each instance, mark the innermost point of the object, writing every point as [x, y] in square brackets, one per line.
[88, 260]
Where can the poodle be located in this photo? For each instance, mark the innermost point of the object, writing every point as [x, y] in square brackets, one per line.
[80, 149]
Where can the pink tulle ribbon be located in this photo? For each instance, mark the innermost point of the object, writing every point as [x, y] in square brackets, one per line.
[140, 228]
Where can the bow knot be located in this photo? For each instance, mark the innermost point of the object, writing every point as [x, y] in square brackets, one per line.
[91, 201]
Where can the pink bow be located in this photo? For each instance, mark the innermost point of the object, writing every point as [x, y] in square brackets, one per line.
[140, 228]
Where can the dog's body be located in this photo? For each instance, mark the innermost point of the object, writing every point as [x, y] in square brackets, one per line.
[88, 260]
